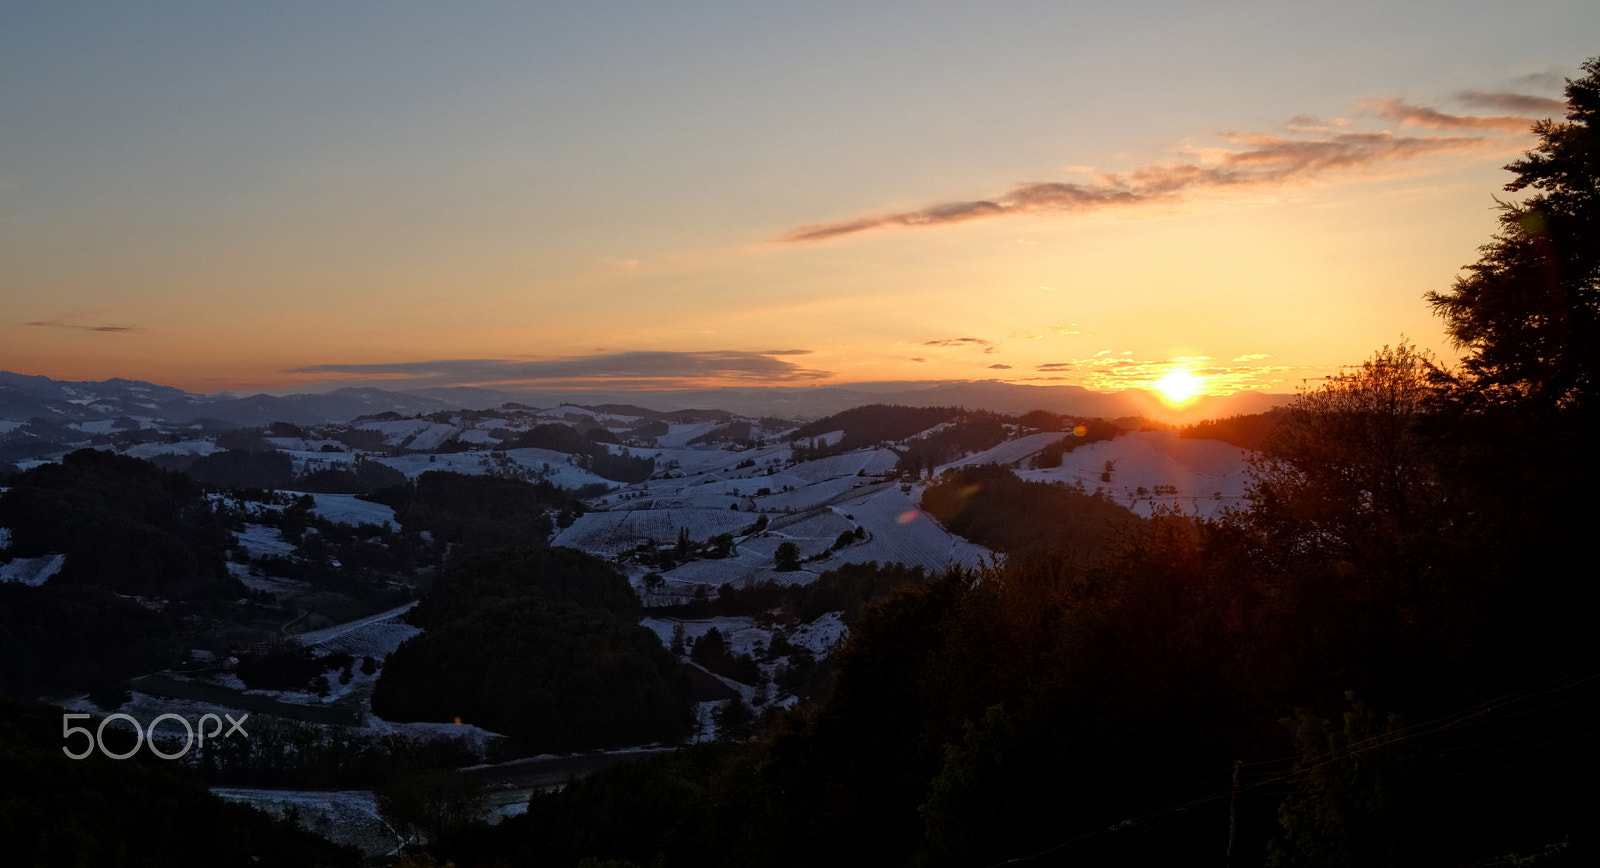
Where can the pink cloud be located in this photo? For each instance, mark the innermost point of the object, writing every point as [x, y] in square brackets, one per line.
[1248, 160]
[1422, 116]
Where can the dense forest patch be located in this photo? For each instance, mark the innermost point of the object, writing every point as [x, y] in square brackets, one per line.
[992, 507]
[543, 645]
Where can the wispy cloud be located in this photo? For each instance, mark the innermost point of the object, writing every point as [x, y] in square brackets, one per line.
[104, 329]
[636, 369]
[1054, 366]
[1547, 79]
[1422, 116]
[1313, 124]
[1514, 102]
[1247, 160]
[999, 367]
[988, 346]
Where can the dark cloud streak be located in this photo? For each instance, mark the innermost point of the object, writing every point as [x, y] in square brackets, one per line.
[988, 346]
[103, 329]
[660, 368]
[1514, 102]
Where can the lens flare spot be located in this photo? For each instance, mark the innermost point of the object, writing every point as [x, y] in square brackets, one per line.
[907, 517]
[1080, 430]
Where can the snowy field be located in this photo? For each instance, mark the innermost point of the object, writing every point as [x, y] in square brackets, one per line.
[182, 447]
[744, 636]
[611, 533]
[260, 541]
[276, 585]
[871, 461]
[32, 571]
[679, 434]
[808, 494]
[349, 509]
[1209, 475]
[342, 816]
[1011, 451]
[560, 471]
[412, 466]
[374, 636]
[746, 565]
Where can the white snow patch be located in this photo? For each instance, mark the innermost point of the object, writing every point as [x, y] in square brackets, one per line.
[342, 816]
[822, 635]
[260, 540]
[740, 633]
[432, 437]
[375, 635]
[611, 533]
[1207, 475]
[350, 509]
[1012, 450]
[680, 433]
[32, 571]
[271, 584]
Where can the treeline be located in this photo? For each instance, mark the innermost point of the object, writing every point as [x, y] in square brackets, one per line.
[734, 431]
[477, 513]
[975, 433]
[989, 505]
[591, 454]
[286, 753]
[959, 432]
[543, 645]
[271, 469]
[653, 415]
[356, 558]
[123, 524]
[1082, 434]
[875, 424]
[1247, 431]
[845, 589]
[631, 811]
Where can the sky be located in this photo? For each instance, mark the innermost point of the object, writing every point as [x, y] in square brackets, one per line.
[294, 195]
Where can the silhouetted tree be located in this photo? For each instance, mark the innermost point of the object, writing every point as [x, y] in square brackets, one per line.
[1348, 473]
[1528, 311]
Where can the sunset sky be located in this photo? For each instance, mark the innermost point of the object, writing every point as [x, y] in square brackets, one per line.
[752, 193]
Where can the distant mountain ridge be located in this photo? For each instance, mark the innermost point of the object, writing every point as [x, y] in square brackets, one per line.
[26, 397]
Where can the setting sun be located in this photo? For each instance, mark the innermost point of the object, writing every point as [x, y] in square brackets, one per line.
[1179, 386]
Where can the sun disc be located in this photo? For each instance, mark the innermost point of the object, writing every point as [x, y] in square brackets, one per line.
[1179, 386]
